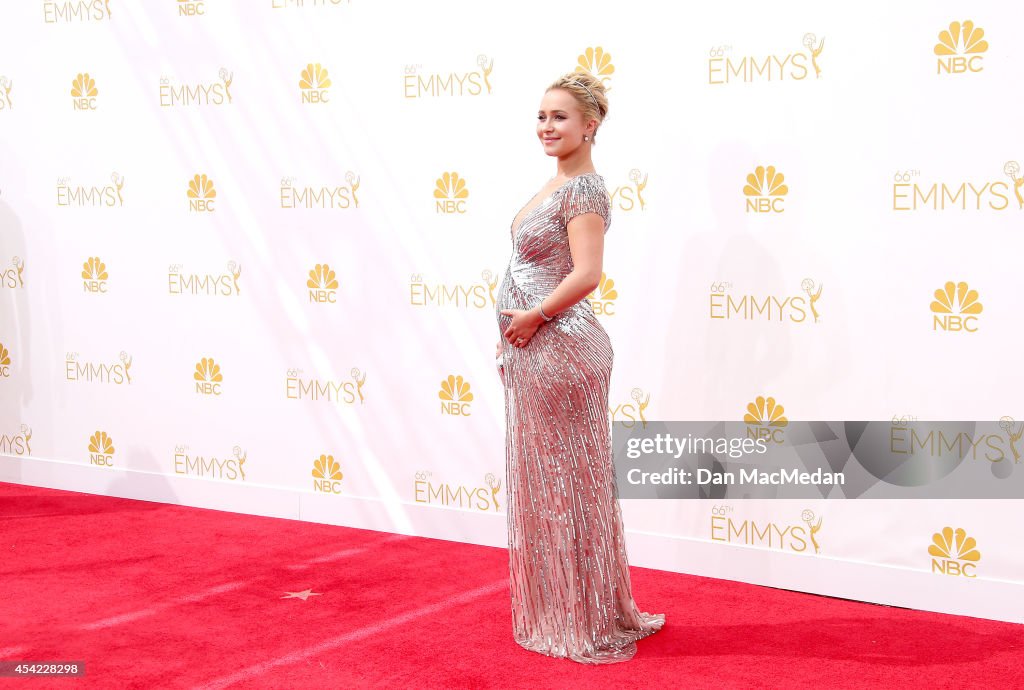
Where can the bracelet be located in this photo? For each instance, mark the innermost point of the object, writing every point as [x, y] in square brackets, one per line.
[540, 306]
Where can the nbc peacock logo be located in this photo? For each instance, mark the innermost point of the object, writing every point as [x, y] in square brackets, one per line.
[94, 275]
[726, 65]
[75, 11]
[482, 497]
[101, 449]
[598, 62]
[197, 94]
[478, 295]
[961, 48]
[450, 193]
[765, 419]
[455, 396]
[630, 196]
[956, 308]
[5, 362]
[954, 553]
[201, 194]
[326, 475]
[208, 377]
[230, 467]
[418, 83]
[314, 83]
[765, 190]
[602, 299]
[191, 8]
[323, 284]
[5, 93]
[13, 277]
[84, 92]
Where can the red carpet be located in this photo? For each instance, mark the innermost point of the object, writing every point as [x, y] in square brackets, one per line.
[159, 596]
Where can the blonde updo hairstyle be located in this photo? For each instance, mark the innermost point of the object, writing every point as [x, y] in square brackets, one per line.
[577, 84]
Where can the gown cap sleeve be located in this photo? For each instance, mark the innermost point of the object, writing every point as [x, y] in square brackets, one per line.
[587, 194]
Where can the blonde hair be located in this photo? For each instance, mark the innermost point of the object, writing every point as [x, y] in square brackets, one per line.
[589, 94]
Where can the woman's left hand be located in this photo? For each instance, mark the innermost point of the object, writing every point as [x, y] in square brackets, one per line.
[524, 325]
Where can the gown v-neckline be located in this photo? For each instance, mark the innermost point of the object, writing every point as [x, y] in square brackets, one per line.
[514, 229]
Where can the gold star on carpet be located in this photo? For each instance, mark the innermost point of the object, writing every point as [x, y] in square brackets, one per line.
[305, 594]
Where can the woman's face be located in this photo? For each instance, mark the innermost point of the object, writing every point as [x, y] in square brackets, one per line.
[560, 125]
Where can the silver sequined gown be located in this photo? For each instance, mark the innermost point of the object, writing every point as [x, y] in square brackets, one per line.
[569, 574]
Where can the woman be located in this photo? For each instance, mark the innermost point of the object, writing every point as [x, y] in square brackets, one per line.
[569, 574]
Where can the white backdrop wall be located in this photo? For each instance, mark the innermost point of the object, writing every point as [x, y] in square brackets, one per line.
[172, 186]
